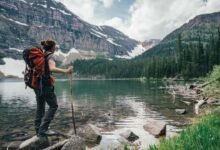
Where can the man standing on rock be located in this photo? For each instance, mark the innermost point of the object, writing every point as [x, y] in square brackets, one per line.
[43, 84]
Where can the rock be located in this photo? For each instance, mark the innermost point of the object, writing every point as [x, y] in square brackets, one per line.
[122, 140]
[12, 145]
[75, 143]
[90, 133]
[212, 100]
[186, 102]
[1, 75]
[57, 146]
[156, 128]
[192, 86]
[35, 143]
[180, 111]
[129, 135]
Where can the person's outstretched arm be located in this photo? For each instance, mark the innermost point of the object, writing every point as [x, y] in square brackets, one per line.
[53, 68]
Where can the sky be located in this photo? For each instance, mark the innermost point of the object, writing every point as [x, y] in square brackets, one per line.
[141, 19]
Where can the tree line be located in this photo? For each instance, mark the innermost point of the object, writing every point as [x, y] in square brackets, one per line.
[186, 59]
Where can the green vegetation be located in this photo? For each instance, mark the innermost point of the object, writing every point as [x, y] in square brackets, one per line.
[183, 59]
[203, 135]
[212, 90]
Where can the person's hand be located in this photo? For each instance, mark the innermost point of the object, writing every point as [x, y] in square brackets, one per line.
[69, 69]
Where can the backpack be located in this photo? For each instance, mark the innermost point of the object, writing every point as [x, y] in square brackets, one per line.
[37, 73]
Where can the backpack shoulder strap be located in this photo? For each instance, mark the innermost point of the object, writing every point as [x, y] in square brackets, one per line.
[47, 70]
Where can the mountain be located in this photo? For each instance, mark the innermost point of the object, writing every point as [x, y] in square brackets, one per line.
[147, 44]
[189, 51]
[201, 28]
[140, 49]
[27, 22]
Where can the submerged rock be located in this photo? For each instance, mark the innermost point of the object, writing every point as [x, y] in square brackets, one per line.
[75, 143]
[180, 111]
[129, 135]
[156, 128]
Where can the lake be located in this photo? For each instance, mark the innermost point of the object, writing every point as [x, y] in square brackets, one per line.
[112, 105]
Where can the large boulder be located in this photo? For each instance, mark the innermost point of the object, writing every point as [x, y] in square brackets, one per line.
[75, 143]
[129, 135]
[156, 128]
[90, 133]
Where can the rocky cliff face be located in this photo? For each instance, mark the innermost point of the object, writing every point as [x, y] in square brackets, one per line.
[26, 22]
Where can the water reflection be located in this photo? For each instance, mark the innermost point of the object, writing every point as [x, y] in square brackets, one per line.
[113, 105]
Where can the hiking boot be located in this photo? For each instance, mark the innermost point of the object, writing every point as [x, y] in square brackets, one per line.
[48, 133]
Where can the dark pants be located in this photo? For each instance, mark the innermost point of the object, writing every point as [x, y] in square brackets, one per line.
[42, 119]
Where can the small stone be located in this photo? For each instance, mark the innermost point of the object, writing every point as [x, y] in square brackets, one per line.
[180, 111]
[186, 102]
[129, 135]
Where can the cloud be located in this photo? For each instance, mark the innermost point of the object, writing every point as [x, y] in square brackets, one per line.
[82, 8]
[145, 19]
[107, 3]
[155, 19]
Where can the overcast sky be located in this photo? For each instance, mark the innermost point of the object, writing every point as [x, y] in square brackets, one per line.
[141, 19]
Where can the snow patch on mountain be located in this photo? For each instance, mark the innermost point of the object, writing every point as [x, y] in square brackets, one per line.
[72, 50]
[45, 6]
[63, 12]
[123, 56]
[99, 33]
[23, 1]
[138, 50]
[110, 40]
[74, 54]
[52, 8]
[16, 49]
[13, 67]
[17, 22]
[96, 35]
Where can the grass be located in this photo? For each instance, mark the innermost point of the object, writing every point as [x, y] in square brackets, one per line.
[212, 90]
[203, 135]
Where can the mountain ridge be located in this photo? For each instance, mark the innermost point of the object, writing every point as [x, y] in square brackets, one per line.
[202, 26]
[27, 22]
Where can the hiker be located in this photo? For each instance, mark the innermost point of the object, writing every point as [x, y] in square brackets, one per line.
[45, 94]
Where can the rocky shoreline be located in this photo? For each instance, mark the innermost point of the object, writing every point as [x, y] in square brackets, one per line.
[193, 94]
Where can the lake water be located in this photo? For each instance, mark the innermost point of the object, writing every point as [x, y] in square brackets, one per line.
[112, 105]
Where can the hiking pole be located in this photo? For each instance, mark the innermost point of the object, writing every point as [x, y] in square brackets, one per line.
[71, 91]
